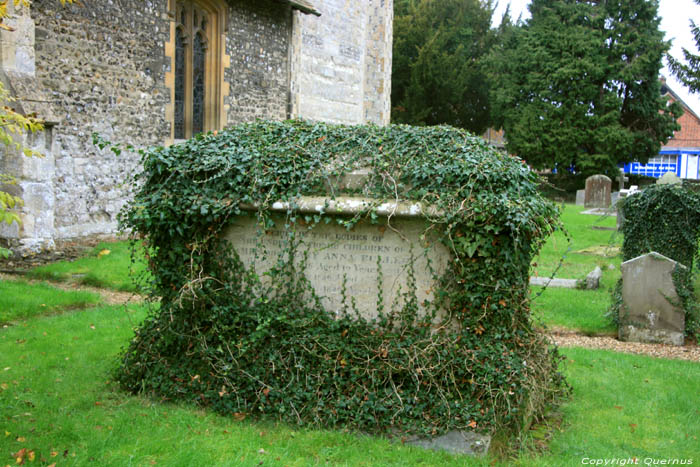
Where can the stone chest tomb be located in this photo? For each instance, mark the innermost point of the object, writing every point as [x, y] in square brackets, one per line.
[367, 277]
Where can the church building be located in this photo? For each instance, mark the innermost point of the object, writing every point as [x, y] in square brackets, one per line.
[153, 72]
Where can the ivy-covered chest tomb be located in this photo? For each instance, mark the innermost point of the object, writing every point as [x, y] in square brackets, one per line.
[367, 277]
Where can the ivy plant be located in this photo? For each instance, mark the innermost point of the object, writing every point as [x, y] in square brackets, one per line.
[224, 338]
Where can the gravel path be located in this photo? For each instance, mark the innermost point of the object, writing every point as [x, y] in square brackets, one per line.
[562, 337]
[571, 339]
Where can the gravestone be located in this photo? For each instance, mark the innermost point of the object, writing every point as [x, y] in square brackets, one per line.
[621, 179]
[614, 198]
[352, 263]
[619, 208]
[669, 178]
[593, 278]
[649, 311]
[580, 197]
[598, 189]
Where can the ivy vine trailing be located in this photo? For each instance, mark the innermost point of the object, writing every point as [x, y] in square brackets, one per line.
[226, 339]
[665, 219]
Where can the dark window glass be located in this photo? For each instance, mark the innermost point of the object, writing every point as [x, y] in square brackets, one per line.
[198, 52]
[179, 131]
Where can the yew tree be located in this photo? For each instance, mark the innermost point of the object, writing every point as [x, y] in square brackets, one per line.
[438, 72]
[577, 85]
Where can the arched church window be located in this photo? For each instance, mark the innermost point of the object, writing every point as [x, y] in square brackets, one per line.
[196, 79]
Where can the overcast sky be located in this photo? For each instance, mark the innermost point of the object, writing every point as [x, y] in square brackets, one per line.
[675, 16]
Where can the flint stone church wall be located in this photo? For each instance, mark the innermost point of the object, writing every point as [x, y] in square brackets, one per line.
[101, 67]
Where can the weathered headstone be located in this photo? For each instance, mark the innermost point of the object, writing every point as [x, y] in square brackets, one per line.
[593, 278]
[354, 263]
[649, 311]
[619, 208]
[598, 189]
[580, 197]
[621, 179]
[614, 198]
[669, 178]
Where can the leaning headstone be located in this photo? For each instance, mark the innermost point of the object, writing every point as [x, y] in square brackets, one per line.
[598, 189]
[580, 197]
[669, 178]
[593, 278]
[650, 311]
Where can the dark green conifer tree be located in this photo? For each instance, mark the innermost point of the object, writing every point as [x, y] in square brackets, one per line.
[577, 85]
[438, 72]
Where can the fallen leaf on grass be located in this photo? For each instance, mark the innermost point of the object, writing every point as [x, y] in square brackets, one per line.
[20, 455]
[102, 253]
[239, 416]
[618, 407]
[633, 426]
[21, 439]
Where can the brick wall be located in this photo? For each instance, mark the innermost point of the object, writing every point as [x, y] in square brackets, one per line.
[689, 134]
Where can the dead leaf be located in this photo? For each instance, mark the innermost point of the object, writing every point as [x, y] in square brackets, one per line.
[102, 253]
[502, 302]
[54, 453]
[618, 407]
[92, 326]
[633, 426]
[31, 455]
[472, 424]
[239, 416]
[20, 455]
[21, 439]
[261, 451]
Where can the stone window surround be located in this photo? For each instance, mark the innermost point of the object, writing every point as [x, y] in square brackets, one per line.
[216, 88]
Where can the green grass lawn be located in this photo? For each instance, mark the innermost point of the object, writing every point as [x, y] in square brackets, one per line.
[577, 261]
[113, 270]
[20, 300]
[580, 310]
[57, 399]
